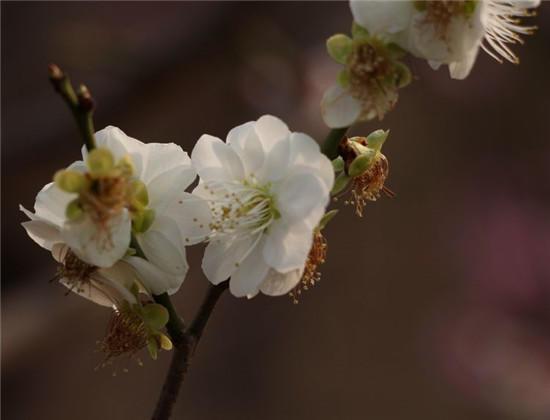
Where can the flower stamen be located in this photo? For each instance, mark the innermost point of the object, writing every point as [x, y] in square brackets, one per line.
[317, 256]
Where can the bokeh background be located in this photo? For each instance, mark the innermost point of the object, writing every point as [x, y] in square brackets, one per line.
[435, 305]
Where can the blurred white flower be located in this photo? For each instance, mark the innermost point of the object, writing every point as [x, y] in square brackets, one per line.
[126, 186]
[267, 189]
[367, 86]
[448, 31]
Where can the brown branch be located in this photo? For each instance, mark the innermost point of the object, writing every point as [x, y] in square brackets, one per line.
[185, 344]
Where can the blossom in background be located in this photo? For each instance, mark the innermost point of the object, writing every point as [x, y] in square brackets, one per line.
[267, 189]
[123, 186]
[447, 32]
[368, 85]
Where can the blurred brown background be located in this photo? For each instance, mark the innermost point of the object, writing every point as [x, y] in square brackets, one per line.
[391, 332]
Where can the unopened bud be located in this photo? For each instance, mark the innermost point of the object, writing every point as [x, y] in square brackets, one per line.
[69, 181]
[55, 73]
[100, 161]
[85, 100]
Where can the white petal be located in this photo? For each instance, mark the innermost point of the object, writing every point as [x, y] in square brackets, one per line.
[43, 233]
[221, 258]
[163, 247]
[461, 69]
[277, 284]
[270, 131]
[192, 215]
[155, 280]
[165, 157]
[306, 154]
[246, 143]
[287, 245]
[339, 108]
[168, 184]
[216, 161]
[99, 246]
[298, 195]
[382, 17]
[120, 145]
[107, 286]
[246, 280]
[51, 204]
[276, 162]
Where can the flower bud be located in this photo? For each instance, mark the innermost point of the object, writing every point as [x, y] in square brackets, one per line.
[339, 47]
[69, 181]
[100, 161]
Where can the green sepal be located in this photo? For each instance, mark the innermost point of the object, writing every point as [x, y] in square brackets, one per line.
[100, 161]
[361, 164]
[338, 164]
[329, 215]
[358, 32]
[376, 139]
[165, 342]
[402, 73]
[340, 183]
[139, 193]
[155, 316]
[69, 180]
[339, 47]
[343, 78]
[74, 211]
[142, 220]
[153, 348]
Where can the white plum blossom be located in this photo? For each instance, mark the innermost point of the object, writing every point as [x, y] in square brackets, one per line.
[447, 31]
[267, 189]
[125, 186]
[104, 286]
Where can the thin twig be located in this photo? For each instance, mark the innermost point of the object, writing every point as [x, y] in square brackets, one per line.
[185, 344]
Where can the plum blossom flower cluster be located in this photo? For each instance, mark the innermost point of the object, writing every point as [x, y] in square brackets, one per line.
[118, 221]
[442, 32]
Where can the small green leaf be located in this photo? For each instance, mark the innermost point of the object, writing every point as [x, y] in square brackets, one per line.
[340, 183]
[339, 47]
